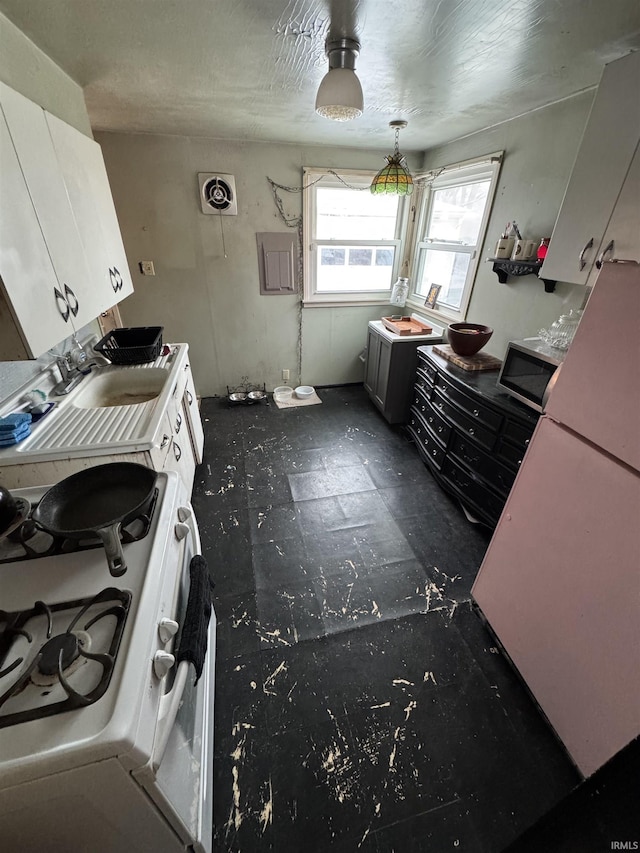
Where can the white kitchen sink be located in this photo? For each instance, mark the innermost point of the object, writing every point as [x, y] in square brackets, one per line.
[116, 386]
[113, 409]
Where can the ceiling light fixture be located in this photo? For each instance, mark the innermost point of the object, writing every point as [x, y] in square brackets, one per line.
[340, 94]
[394, 177]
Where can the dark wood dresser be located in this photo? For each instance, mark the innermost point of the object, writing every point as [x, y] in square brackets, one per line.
[472, 436]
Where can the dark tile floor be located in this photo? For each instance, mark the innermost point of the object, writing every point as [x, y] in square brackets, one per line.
[361, 705]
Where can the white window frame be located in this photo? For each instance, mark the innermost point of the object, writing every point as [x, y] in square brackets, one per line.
[481, 168]
[312, 178]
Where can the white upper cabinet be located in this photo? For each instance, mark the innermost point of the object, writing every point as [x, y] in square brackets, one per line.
[34, 314]
[62, 262]
[82, 165]
[599, 173]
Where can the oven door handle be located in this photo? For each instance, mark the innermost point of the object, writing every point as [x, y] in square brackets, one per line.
[170, 702]
[168, 712]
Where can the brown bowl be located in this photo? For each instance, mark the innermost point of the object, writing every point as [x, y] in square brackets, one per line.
[468, 338]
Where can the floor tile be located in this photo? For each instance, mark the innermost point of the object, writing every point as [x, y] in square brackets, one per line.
[337, 481]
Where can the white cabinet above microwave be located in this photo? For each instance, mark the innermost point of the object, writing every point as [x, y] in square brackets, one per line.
[62, 261]
[581, 233]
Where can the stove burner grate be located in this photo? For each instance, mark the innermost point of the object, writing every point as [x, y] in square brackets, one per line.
[56, 657]
[28, 541]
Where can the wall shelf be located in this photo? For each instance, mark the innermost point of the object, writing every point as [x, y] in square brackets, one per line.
[505, 268]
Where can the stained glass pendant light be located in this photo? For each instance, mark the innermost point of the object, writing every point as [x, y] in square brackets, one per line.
[394, 178]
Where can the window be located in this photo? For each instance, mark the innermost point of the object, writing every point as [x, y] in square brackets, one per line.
[453, 211]
[353, 239]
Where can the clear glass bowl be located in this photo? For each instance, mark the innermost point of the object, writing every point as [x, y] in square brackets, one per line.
[561, 332]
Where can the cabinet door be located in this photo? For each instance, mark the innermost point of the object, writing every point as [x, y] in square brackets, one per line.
[623, 232]
[384, 367]
[607, 148]
[30, 319]
[41, 172]
[373, 358]
[87, 185]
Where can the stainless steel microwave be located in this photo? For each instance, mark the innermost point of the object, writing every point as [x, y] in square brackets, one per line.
[529, 371]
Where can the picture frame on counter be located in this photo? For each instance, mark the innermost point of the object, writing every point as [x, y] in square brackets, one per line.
[432, 296]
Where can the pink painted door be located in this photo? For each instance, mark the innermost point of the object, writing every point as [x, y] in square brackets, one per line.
[560, 587]
[597, 393]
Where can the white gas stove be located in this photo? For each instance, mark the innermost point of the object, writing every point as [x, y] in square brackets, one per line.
[91, 697]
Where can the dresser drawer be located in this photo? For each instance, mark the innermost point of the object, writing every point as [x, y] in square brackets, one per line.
[472, 491]
[463, 421]
[425, 365]
[473, 407]
[427, 372]
[517, 433]
[433, 419]
[511, 454]
[426, 441]
[485, 465]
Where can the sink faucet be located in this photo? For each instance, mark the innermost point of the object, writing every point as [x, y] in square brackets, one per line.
[70, 374]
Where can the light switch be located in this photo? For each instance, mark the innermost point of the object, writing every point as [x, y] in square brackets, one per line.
[147, 268]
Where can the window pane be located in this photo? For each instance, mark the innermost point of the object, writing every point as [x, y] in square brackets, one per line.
[360, 257]
[384, 257]
[359, 275]
[332, 257]
[343, 214]
[456, 213]
[448, 269]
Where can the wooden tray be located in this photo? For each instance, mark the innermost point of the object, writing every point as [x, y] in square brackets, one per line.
[479, 361]
[407, 326]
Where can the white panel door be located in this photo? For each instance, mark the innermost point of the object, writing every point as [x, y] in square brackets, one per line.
[39, 164]
[26, 271]
[85, 177]
[559, 587]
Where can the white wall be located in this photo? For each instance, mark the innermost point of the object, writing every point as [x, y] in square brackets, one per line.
[25, 68]
[212, 301]
[540, 149]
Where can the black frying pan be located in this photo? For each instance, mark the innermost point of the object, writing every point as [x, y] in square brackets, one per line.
[97, 501]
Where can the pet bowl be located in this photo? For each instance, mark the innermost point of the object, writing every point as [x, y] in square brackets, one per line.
[282, 393]
[303, 392]
[468, 338]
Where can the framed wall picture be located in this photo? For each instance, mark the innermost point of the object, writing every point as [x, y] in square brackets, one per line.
[432, 296]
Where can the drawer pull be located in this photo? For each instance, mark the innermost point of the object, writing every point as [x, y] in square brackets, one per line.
[177, 451]
[476, 412]
[423, 408]
[189, 396]
[471, 431]
[527, 442]
[178, 422]
[434, 452]
[165, 441]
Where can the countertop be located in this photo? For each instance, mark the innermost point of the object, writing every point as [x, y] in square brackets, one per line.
[436, 336]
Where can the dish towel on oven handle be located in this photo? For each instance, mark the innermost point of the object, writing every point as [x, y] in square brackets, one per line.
[193, 640]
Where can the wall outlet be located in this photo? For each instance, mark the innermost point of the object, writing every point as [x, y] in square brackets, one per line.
[147, 268]
[285, 375]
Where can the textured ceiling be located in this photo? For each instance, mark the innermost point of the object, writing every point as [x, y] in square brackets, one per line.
[249, 69]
